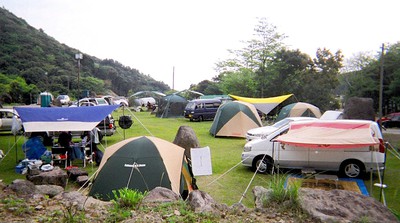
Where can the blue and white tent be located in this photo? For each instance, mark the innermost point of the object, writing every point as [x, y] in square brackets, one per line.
[41, 119]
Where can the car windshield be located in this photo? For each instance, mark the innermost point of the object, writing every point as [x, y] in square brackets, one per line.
[101, 101]
[191, 105]
[281, 123]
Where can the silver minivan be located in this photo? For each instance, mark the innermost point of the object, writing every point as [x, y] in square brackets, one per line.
[353, 163]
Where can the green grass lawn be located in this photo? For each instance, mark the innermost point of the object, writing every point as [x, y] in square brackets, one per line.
[229, 180]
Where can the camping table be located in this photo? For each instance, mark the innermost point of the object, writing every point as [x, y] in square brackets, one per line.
[58, 150]
[327, 177]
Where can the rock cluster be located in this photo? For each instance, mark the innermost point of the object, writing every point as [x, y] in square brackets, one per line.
[322, 206]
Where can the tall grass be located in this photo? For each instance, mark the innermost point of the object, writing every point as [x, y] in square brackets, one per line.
[229, 180]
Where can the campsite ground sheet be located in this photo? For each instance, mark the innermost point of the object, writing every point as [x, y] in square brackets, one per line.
[355, 185]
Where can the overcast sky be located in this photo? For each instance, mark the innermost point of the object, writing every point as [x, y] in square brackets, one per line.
[154, 36]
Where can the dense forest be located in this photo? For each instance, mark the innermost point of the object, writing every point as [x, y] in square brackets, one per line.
[32, 62]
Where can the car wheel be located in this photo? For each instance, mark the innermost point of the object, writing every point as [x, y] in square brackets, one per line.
[263, 165]
[200, 118]
[352, 169]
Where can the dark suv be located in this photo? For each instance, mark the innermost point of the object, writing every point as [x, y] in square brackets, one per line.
[107, 126]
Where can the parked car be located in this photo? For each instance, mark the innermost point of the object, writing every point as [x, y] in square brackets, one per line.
[390, 116]
[263, 132]
[393, 122]
[107, 126]
[352, 163]
[121, 101]
[64, 99]
[332, 115]
[90, 102]
[118, 100]
[6, 119]
[202, 109]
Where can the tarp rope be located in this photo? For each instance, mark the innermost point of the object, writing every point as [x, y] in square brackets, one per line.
[140, 123]
[225, 173]
[251, 181]
[88, 182]
[14, 145]
[134, 167]
[379, 177]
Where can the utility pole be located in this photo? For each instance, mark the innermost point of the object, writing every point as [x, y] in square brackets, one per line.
[173, 78]
[381, 87]
[79, 57]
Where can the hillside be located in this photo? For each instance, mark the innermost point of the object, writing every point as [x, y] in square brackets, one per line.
[44, 62]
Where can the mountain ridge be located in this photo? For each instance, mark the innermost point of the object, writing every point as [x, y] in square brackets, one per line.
[43, 61]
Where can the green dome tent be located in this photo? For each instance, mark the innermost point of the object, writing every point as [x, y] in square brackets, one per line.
[299, 109]
[142, 163]
[234, 119]
[171, 106]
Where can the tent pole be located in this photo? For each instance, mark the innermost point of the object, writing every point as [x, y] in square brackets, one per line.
[370, 170]
[16, 149]
[123, 114]
[383, 173]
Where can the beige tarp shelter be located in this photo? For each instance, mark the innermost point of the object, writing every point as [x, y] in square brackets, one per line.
[332, 134]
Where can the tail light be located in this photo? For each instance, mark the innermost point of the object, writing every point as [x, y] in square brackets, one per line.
[110, 125]
[381, 146]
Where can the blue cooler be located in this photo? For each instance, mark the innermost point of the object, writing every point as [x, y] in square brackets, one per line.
[19, 168]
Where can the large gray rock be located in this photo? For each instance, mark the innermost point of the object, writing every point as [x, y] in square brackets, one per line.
[160, 195]
[359, 108]
[200, 201]
[187, 139]
[57, 176]
[75, 172]
[343, 206]
[22, 187]
[50, 190]
[260, 196]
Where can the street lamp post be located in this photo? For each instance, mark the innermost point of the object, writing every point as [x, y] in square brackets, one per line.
[79, 57]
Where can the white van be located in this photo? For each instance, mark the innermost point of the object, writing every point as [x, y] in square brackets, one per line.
[352, 163]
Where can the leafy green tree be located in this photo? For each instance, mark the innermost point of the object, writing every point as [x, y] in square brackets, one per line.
[256, 57]
[365, 80]
[287, 71]
[241, 82]
[207, 87]
[319, 85]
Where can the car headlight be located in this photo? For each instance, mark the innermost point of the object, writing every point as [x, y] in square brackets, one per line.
[247, 148]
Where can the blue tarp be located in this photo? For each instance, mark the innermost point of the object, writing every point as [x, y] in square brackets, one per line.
[38, 119]
[34, 148]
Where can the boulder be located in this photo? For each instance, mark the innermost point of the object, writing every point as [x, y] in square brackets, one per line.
[200, 201]
[161, 195]
[187, 139]
[22, 187]
[260, 196]
[343, 206]
[359, 108]
[57, 176]
[50, 190]
[75, 172]
[82, 180]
